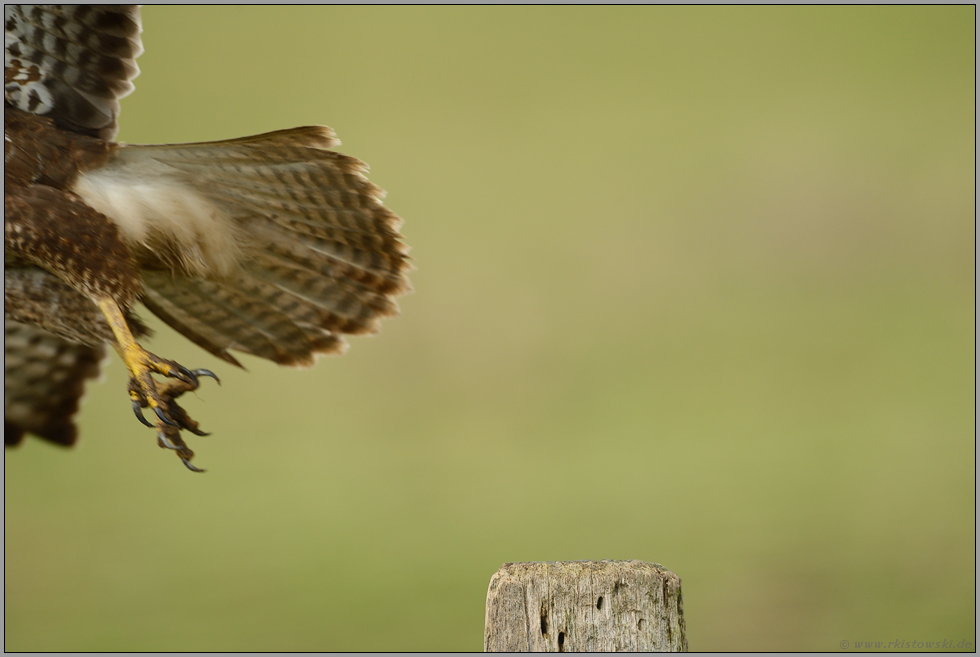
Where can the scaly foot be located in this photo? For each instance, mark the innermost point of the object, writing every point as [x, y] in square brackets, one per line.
[145, 392]
[171, 418]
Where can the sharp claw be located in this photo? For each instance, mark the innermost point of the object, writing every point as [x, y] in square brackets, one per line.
[166, 443]
[202, 372]
[161, 397]
[138, 410]
[191, 466]
[163, 417]
[186, 375]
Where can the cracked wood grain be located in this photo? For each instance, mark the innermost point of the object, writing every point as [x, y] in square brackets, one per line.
[584, 606]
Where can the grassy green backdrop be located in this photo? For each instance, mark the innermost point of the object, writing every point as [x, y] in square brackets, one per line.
[694, 286]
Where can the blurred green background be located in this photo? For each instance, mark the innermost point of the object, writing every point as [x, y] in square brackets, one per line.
[694, 286]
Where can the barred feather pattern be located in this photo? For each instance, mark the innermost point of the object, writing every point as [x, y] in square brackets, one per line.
[316, 254]
[43, 382]
[272, 245]
[71, 62]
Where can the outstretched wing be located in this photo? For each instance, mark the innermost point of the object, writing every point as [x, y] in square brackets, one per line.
[71, 63]
[43, 380]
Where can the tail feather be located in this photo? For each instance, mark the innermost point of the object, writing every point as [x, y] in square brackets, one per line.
[244, 315]
[270, 245]
[295, 328]
[378, 253]
[346, 305]
[310, 197]
[318, 212]
[208, 320]
[165, 300]
[318, 137]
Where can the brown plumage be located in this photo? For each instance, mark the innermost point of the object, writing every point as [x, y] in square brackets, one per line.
[50, 375]
[270, 245]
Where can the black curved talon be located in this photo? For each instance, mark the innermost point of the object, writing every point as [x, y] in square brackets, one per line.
[203, 372]
[191, 466]
[163, 417]
[162, 398]
[185, 375]
[138, 410]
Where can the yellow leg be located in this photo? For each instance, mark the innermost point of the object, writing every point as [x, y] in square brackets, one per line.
[117, 322]
[140, 363]
[144, 391]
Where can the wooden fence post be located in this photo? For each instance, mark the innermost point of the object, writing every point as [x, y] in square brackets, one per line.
[584, 606]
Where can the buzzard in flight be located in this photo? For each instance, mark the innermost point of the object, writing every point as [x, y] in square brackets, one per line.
[269, 245]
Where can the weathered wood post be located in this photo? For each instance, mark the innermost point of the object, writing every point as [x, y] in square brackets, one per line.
[584, 606]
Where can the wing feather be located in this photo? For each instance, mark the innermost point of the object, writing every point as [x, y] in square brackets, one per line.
[72, 62]
[43, 382]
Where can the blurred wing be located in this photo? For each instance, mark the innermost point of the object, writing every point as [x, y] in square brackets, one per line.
[43, 381]
[71, 62]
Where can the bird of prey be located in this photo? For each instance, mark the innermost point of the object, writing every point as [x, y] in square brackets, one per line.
[271, 245]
